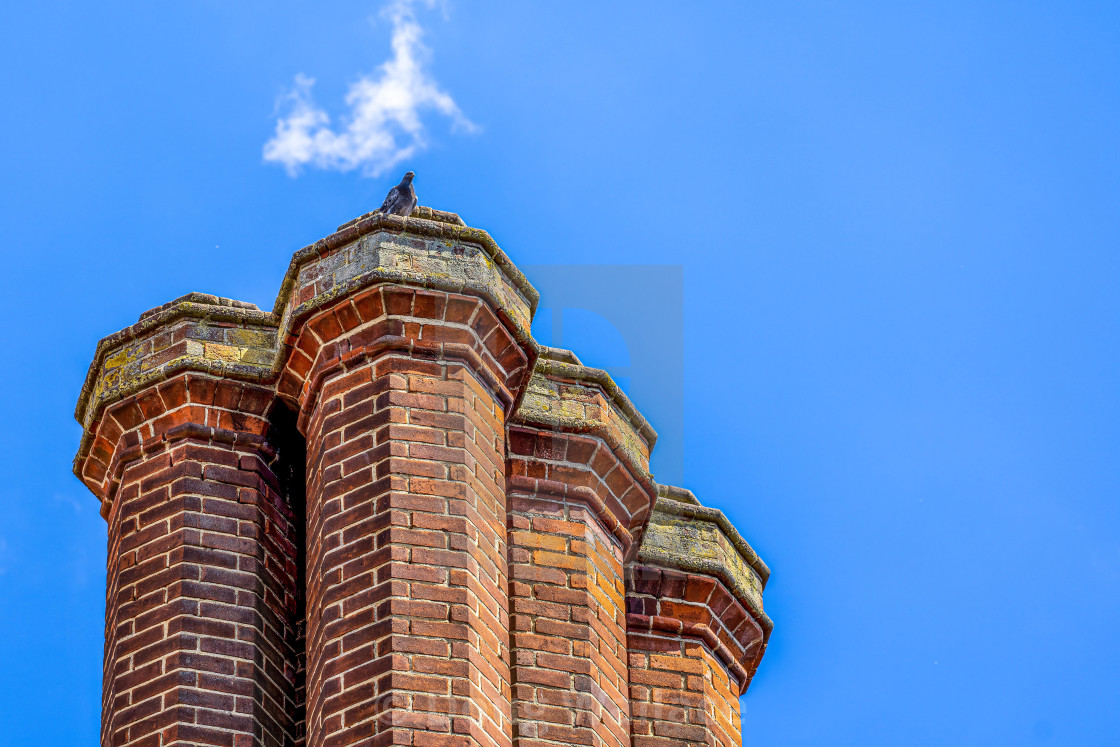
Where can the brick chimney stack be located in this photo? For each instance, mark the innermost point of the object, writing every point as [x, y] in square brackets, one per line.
[382, 514]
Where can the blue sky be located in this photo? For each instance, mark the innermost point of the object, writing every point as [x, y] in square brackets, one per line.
[898, 226]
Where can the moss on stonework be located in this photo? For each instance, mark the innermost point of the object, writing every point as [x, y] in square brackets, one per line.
[686, 536]
[431, 249]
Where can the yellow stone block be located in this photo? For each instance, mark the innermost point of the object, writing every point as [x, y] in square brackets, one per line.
[216, 352]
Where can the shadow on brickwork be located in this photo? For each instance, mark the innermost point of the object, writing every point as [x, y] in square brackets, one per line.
[289, 466]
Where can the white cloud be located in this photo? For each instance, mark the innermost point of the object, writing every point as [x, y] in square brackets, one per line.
[383, 126]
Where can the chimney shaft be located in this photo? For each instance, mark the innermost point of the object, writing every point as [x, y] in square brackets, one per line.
[480, 555]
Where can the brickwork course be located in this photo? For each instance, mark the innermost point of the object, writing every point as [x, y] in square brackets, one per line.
[382, 514]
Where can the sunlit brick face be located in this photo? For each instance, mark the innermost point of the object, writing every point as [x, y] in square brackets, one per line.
[567, 592]
[408, 611]
[407, 603]
[680, 694]
[690, 642]
[568, 624]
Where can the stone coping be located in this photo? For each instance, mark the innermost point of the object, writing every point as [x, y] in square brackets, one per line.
[423, 222]
[559, 355]
[565, 396]
[193, 307]
[686, 536]
[563, 364]
[686, 497]
[201, 298]
[427, 213]
[205, 308]
[598, 377]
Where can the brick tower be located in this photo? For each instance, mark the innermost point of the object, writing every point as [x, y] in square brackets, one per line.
[382, 514]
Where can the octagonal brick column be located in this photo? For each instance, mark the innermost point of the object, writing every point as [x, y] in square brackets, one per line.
[408, 348]
[697, 630]
[201, 597]
[579, 494]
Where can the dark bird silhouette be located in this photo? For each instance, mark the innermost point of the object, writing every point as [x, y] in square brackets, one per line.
[401, 199]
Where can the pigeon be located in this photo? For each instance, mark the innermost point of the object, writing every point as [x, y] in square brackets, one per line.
[401, 199]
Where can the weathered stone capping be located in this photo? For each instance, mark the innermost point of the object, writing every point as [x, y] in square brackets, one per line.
[381, 513]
